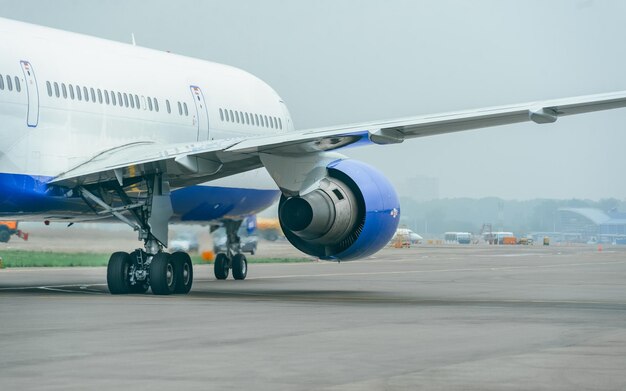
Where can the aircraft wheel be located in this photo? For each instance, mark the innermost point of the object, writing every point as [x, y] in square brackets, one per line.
[162, 274]
[117, 273]
[183, 270]
[220, 267]
[240, 267]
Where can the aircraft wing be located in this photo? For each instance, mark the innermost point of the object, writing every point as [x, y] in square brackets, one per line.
[197, 162]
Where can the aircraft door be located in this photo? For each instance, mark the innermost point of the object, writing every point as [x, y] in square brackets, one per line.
[202, 115]
[33, 94]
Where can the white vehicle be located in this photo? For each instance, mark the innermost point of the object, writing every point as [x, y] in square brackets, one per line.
[458, 237]
[93, 129]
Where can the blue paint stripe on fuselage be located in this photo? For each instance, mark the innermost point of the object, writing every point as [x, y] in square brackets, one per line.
[25, 197]
[206, 203]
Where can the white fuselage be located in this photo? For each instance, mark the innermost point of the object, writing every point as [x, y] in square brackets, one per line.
[66, 97]
[63, 131]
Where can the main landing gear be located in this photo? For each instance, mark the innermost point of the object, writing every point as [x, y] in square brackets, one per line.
[150, 267]
[232, 259]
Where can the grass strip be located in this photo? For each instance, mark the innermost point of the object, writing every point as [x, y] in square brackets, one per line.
[19, 258]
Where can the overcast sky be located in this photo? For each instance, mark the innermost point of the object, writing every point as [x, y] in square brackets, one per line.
[337, 62]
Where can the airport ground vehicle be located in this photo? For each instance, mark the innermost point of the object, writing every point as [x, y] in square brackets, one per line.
[458, 237]
[186, 241]
[269, 228]
[9, 228]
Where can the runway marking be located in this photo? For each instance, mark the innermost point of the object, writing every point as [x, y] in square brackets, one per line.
[437, 270]
[58, 288]
[84, 287]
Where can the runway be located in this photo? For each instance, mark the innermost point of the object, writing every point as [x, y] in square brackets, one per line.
[449, 318]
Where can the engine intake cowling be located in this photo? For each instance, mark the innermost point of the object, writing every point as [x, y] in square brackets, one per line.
[353, 213]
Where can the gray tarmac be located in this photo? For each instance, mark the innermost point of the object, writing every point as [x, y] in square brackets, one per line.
[433, 318]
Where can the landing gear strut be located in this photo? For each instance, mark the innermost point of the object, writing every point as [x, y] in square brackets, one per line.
[148, 214]
[232, 259]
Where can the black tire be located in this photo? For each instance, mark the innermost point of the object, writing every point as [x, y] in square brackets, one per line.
[240, 267]
[162, 274]
[140, 286]
[4, 236]
[184, 272]
[117, 273]
[220, 267]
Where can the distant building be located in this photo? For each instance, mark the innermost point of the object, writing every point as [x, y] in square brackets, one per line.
[592, 224]
[420, 188]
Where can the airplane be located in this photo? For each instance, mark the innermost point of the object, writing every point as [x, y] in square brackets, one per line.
[92, 129]
[405, 235]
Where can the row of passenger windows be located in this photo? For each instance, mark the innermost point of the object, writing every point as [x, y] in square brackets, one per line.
[241, 117]
[124, 99]
[121, 99]
[9, 83]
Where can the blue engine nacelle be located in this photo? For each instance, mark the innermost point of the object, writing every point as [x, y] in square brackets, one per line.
[352, 214]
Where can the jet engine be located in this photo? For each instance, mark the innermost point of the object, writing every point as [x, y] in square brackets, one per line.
[353, 213]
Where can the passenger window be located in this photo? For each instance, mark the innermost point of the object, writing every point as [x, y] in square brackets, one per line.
[48, 87]
[132, 102]
[113, 99]
[18, 87]
[9, 83]
[256, 119]
[99, 96]
[232, 116]
[280, 123]
[137, 102]
[125, 99]
[169, 108]
[180, 109]
[236, 116]
[93, 95]
[226, 115]
[221, 115]
[149, 103]
[79, 95]
[267, 122]
[64, 89]
[120, 102]
[185, 107]
[156, 105]
[56, 89]
[106, 97]
[86, 94]
[2, 82]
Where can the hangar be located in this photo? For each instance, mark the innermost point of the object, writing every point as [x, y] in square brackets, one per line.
[589, 224]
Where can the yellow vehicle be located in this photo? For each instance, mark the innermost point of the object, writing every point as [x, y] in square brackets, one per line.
[268, 228]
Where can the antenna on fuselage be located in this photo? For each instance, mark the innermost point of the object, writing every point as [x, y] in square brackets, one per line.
[132, 37]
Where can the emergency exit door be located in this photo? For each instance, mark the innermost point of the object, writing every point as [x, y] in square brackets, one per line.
[32, 118]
